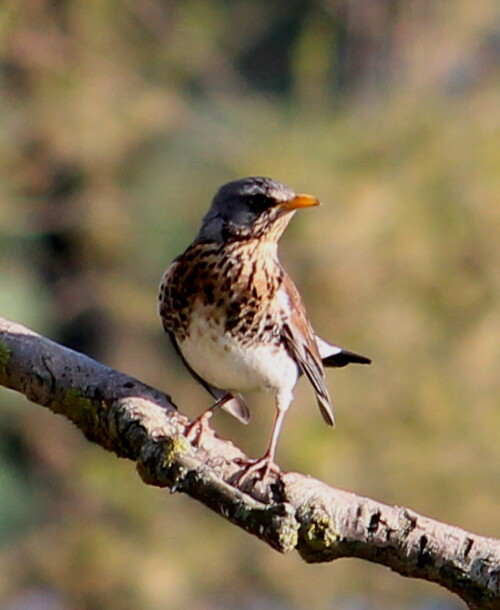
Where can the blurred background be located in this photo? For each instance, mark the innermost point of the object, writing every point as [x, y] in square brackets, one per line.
[118, 121]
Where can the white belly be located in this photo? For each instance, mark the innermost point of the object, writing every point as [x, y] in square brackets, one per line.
[227, 365]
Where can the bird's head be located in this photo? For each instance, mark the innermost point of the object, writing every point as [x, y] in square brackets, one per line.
[252, 208]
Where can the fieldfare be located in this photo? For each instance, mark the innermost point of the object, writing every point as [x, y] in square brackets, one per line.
[236, 318]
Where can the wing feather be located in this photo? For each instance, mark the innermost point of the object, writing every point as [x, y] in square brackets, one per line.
[301, 343]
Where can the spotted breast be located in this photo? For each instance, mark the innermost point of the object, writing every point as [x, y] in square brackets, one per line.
[222, 306]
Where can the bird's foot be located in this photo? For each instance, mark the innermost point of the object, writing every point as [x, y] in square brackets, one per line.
[199, 427]
[257, 470]
[201, 424]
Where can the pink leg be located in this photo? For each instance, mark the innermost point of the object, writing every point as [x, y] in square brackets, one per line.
[264, 465]
[201, 424]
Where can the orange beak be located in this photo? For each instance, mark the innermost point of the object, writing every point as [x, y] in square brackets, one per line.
[300, 201]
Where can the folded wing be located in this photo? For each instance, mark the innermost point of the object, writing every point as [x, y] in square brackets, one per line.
[300, 341]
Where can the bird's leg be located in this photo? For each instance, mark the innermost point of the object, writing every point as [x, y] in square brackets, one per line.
[264, 465]
[201, 424]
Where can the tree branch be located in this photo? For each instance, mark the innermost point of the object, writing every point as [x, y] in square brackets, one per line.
[292, 511]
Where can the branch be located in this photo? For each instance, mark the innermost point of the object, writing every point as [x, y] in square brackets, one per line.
[293, 511]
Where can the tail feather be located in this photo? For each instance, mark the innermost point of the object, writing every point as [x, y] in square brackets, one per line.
[345, 357]
[326, 409]
[334, 356]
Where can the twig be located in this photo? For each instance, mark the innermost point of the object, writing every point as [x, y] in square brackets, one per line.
[292, 511]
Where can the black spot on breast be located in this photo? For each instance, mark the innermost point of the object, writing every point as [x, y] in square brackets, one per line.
[180, 303]
[209, 294]
[231, 323]
[196, 269]
[235, 308]
[189, 256]
[190, 289]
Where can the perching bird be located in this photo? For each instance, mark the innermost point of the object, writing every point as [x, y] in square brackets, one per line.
[234, 315]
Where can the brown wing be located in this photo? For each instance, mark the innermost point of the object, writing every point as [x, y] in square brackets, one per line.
[300, 340]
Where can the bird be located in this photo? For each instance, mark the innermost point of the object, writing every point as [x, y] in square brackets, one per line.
[236, 318]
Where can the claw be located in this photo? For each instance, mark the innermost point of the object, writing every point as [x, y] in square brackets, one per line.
[199, 427]
[256, 469]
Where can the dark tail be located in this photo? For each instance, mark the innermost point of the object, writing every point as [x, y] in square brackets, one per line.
[345, 357]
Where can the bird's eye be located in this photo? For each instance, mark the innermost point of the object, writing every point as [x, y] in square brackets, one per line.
[260, 202]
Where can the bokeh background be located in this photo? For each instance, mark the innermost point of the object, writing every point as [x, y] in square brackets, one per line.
[118, 121]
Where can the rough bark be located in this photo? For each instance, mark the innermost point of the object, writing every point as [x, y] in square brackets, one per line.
[292, 511]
